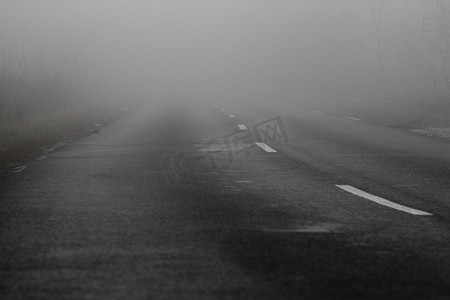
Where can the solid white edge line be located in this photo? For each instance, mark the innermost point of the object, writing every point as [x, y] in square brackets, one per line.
[242, 127]
[265, 147]
[351, 118]
[382, 201]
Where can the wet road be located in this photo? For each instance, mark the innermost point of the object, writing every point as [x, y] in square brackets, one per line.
[212, 201]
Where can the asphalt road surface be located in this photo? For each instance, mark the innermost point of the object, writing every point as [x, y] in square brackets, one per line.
[210, 201]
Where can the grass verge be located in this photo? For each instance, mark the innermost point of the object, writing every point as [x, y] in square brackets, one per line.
[37, 113]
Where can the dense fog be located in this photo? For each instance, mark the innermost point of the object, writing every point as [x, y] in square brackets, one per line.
[229, 50]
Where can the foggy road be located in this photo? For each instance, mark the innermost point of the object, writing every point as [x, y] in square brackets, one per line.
[232, 201]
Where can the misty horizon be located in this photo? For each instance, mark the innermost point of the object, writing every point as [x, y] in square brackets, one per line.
[266, 51]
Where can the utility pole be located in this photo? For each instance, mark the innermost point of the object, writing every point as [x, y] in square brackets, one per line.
[377, 14]
[377, 19]
[438, 27]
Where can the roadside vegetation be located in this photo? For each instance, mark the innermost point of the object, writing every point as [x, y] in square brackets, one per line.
[38, 110]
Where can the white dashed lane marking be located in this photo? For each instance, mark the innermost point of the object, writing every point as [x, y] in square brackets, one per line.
[232, 116]
[317, 111]
[381, 201]
[265, 147]
[242, 127]
[19, 169]
[352, 118]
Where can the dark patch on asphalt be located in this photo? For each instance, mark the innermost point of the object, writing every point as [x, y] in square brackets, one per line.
[292, 265]
[324, 266]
